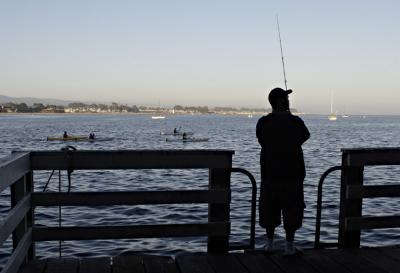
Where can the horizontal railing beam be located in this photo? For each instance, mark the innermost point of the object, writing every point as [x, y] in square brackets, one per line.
[19, 254]
[130, 198]
[129, 232]
[373, 156]
[12, 168]
[369, 222]
[14, 217]
[131, 159]
[359, 191]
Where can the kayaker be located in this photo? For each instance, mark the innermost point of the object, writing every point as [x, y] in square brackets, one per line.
[65, 135]
[184, 136]
[281, 135]
[175, 131]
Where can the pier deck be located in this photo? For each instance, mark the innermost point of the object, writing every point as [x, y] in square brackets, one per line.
[365, 260]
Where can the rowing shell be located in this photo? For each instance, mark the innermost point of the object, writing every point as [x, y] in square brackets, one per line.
[187, 140]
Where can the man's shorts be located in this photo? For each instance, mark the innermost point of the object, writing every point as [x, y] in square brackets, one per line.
[278, 201]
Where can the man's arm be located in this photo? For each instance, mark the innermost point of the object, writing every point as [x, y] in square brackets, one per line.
[305, 134]
[259, 131]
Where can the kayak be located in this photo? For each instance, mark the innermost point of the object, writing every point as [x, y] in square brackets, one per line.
[176, 134]
[80, 138]
[190, 139]
[69, 138]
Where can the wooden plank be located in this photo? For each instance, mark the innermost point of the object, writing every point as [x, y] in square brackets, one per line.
[379, 259]
[12, 168]
[157, 264]
[349, 207]
[193, 263]
[131, 159]
[350, 259]
[295, 264]
[18, 191]
[323, 263]
[62, 266]
[30, 217]
[359, 191]
[19, 254]
[258, 263]
[372, 222]
[392, 252]
[124, 232]
[225, 263]
[34, 267]
[130, 197]
[128, 264]
[95, 265]
[219, 179]
[14, 218]
[377, 156]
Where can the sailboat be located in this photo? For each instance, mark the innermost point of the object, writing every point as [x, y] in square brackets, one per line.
[344, 113]
[158, 116]
[332, 116]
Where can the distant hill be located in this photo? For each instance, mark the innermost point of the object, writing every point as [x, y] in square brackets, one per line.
[29, 100]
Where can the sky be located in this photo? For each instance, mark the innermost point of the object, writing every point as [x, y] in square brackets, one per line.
[215, 53]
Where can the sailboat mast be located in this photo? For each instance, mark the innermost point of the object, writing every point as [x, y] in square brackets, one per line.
[331, 102]
[280, 44]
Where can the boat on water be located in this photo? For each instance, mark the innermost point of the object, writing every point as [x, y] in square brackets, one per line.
[189, 139]
[332, 116]
[79, 138]
[176, 133]
[158, 117]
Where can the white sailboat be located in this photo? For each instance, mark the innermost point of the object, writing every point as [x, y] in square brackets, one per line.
[332, 116]
[344, 113]
[158, 116]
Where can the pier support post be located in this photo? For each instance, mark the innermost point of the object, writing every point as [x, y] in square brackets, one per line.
[219, 179]
[30, 219]
[351, 175]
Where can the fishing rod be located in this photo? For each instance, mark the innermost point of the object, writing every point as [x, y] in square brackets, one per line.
[283, 61]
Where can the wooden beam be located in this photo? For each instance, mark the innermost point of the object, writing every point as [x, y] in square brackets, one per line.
[12, 168]
[130, 198]
[376, 156]
[359, 191]
[18, 256]
[369, 222]
[131, 159]
[14, 218]
[126, 232]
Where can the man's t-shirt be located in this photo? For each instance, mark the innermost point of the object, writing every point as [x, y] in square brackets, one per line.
[281, 136]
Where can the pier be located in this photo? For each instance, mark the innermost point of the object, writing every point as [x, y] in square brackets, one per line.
[16, 173]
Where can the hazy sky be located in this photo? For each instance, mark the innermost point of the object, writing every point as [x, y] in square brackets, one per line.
[223, 53]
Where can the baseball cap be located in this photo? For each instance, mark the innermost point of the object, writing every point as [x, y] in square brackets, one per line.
[278, 93]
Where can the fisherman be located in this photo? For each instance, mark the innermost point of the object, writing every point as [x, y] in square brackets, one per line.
[281, 135]
[65, 135]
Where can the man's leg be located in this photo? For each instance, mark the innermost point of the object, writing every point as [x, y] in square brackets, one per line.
[269, 245]
[292, 219]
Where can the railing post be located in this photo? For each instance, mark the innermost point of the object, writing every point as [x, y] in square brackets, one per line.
[219, 179]
[351, 175]
[30, 219]
[18, 191]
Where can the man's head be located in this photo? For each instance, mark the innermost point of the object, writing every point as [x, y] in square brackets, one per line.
[279, 100]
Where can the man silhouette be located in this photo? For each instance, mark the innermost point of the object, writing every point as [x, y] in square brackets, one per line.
[281, 135]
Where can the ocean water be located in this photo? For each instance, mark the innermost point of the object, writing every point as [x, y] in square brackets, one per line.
[322, 151]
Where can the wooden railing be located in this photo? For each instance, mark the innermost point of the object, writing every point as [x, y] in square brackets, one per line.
[352, 192]
[16, 171]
